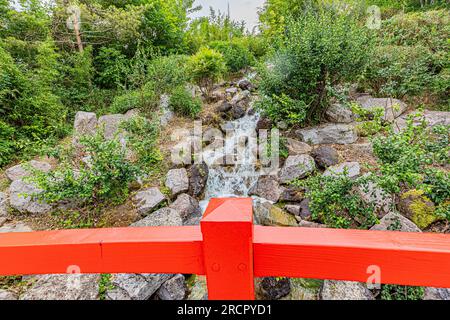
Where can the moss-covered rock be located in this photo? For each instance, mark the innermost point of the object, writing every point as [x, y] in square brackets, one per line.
[418, 208]
[268, 214]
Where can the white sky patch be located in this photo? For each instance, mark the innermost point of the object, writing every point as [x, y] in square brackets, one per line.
[246, 10]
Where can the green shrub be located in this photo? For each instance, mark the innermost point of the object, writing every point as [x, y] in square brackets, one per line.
[31, 113]
[167, 73]
[412, 57]
[396, 292]
[400, 71]
[182, 102]
[405, 156]
[104, 178]
[112, 67]
[206, 67]
[142, 138]
[321, 49]
[336, 202]
[427, 28]
[145, 99]
[283, 108]
[235, 53]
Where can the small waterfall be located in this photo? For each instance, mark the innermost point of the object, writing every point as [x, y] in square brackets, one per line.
[233, 180]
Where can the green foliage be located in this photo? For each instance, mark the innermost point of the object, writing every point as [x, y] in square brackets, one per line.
[370, 122]
[217, 27]
[76, 85]
[206, 67]
[283, 108]
[235, 53]
[112, 68]
[321, 49]
[405, 156]
[104, 285]
[142, 138]
[182, 102]
[167, 73]
[31, 113]
[104, 177]
[336, 202]
[396, 292]
[412, 57]
[400, 71]
[144, 99]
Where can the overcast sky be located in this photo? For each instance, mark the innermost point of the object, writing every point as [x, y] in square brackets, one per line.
[240, 9]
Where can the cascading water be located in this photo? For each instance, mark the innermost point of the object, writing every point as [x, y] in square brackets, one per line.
[234, 180]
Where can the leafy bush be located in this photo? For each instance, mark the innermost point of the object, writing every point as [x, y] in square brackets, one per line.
[182, 102]
[144, 98]
[235, 53]
[142, 138]
[206, 67]
[30, 111]
[167, 73]
[104, 177]
[400, 71]
[404, 157]
[321, 49]
[412, 57]
[336, 202]
[283, 108]
[426, 28]
[396, 292]
[112, 68]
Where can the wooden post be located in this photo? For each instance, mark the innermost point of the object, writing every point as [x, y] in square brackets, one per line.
[227, 229]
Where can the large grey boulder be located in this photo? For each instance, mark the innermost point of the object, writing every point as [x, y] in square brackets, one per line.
[352, 170]
[433, 118]
[345, 290]
[111, 125]
[436, 294]
[162, 217]
[7, 295]
[21, 171]
[85, 123]
[394, 221]
[325, 156]
[198, 178]
[338, 113]
[173, 289]
[177, 181]
[135, 286]
[64, 287]
[15, 227]
[296, 147]
[329, 134]
[266, 187]
[371, 193]
[148, 200]
[3, 205]
[23, 200]
[186, 206]
[393, 108]
[297, 167]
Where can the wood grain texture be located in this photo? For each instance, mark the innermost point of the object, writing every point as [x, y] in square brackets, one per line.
[119, 250]
[227, 229]
[403, 258]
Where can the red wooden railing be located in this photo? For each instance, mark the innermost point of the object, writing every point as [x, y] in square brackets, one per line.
[231, 251]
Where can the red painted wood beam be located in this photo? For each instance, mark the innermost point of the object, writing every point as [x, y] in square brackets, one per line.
[120, 250]
[227, 228]
[416, 259]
